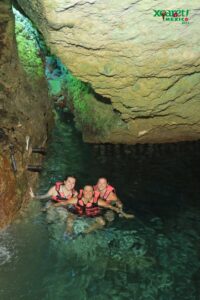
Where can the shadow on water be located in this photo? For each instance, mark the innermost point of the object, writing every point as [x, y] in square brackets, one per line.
[154, 256]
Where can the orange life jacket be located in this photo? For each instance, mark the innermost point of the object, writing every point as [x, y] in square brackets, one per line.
[61, 196]
[90, 209]
[109, 189]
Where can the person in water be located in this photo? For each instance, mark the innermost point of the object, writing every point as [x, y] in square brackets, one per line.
[107, 193]
[87, 204]
[60, 191]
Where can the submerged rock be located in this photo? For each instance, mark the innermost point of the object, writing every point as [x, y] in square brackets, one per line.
[146, 68]
[116, 242]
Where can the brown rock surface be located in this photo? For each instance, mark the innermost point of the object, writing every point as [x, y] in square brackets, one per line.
[7, 192]
[25, 110]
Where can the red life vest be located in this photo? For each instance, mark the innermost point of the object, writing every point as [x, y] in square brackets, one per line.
[109, 189]
[91, 209]
[61, 196]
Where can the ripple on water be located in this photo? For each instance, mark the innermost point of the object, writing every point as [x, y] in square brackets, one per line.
[155, 256]
[5, 255]
[6, 251]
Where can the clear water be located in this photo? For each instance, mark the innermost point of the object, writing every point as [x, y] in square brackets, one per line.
[154, 256]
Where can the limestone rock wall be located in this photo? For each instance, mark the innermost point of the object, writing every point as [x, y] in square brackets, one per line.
[25, 110]
[149, 68]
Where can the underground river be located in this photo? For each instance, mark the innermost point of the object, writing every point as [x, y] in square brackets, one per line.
[154, 256]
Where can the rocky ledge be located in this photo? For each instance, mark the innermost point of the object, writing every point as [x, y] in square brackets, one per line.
[146, 68]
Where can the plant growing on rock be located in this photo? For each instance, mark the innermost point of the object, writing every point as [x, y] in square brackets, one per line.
[28, 48]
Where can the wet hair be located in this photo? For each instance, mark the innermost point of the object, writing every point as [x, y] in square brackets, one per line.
[89, 186]
[72, 176]
[102, 177]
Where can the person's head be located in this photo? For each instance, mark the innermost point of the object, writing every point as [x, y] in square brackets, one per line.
[88, 192]
[102, 183]
[70, 182]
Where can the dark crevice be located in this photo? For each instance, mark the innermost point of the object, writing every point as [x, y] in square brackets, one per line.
[72, 6]
[99, 97]
[19, 8]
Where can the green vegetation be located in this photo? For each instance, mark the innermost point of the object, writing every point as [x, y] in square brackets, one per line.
[79, 95]
[91, 116]
[55, 86]
[28, 49]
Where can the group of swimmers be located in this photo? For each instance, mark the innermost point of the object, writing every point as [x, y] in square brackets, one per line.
[99, 202]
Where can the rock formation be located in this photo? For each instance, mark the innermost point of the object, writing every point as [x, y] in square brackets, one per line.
[148, 68]
[25, 113]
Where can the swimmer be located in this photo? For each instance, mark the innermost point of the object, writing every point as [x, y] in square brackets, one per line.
[59, 192]
[88, 204]
[107, 193]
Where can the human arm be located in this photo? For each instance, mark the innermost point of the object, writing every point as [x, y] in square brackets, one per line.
[125, 215]
[66, 202]
[45, 196]
[75, 194]
[112, 197]
[118, 210]
[104, 204]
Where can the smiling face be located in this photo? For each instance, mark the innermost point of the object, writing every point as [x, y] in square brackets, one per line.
[102, 184]
[70, 183]
[88, 192]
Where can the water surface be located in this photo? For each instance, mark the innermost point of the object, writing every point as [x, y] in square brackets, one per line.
[154, 256]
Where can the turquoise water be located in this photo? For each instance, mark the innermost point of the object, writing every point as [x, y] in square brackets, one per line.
[154, 256]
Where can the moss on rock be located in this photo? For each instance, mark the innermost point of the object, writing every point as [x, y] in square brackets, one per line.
[91, 116]
[28, 47]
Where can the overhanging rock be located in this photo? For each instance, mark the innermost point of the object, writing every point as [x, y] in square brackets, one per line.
[148, 67]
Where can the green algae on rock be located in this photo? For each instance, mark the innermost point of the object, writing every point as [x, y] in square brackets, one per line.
[92, 117]
[27, 39]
